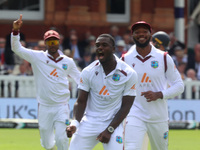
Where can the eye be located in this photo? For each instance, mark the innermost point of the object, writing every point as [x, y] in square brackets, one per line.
[104, 44]
[97, 44]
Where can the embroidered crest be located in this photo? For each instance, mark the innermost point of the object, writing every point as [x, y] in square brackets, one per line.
[64, 66]
[116, 77]
[119, 139]
[154, 64]
[165, 135]
[67, 122]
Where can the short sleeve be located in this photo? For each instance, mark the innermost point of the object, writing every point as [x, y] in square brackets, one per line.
[130, 87]
[84, 81]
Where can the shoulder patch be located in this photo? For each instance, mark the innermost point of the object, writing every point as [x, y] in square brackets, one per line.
[97, 63]
[122, 71]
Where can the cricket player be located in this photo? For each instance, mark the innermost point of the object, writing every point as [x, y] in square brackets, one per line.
[106, 94]
[149, 113]
[50, 69]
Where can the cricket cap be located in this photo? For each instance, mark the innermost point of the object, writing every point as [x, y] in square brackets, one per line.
[51, 33]
[141, 23]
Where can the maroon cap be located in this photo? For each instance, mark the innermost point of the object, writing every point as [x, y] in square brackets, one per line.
[51, 33]
[139, 23]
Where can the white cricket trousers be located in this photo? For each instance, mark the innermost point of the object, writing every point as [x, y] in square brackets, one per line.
[52, 126]
[90, 127]
[135, 130]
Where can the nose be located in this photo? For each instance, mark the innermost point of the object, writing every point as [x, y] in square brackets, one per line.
[52, 43]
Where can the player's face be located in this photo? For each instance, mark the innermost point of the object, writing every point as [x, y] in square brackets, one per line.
[52, 45]
[141, 36]
[104, 49]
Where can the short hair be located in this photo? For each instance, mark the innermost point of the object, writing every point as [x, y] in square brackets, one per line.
[108, 36]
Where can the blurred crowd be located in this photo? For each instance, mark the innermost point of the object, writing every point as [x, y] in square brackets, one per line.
[83, 52]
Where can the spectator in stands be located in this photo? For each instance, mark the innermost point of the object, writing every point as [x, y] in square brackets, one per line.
[191, 76]
[174, 42]
[2, 58]
[66, 40]
[85, 41]
[61, 42]
[68, 53]
[114, 32]
[18, 61]
[91, 48]
[9, 55]
[120, 49]
[87, 59]
[182, 68]
[76, 49]
[179, 56]
[194, 60]
[128, 41]
[41, 45]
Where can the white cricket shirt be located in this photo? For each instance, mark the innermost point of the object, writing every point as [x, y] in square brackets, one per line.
[50, 75]
[106, 91]
[152, 77]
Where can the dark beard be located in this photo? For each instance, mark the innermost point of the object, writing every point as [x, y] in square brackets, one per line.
[142, 45]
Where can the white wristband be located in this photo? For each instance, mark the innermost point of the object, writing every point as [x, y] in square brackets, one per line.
[75, 123]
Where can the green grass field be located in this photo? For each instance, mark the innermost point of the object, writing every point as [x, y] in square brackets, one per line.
[29, 139]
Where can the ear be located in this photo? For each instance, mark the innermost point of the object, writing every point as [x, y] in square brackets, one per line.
[113, 49]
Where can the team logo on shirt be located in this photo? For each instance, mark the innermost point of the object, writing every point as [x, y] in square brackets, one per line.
[165, 135]
[64, 66]
[116, 77]
[104, 91]
[119, 139]
[145, 78]
[54, 73]
[154, 64]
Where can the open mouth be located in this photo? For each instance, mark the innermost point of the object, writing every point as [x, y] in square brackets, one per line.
[142, 39]
[100, 55]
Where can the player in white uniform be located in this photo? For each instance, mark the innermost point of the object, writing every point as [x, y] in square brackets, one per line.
[149, 112]
[50, 69]
[106, 94]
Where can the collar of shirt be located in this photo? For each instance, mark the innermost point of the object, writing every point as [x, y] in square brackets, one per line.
[59, 57]
[118, 67]
[152, 53]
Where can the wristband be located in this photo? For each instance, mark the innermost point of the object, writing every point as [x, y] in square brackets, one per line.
[15, 32]
[75, 123]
